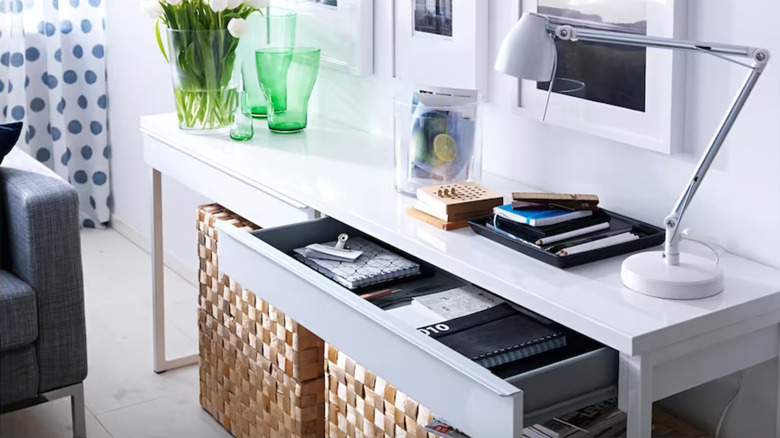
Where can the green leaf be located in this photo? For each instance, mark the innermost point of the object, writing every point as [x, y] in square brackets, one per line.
[159, 40]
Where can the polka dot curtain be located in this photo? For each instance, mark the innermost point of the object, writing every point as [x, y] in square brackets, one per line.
[53, 77]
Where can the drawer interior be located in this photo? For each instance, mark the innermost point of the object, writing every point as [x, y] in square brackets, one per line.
[553, 383]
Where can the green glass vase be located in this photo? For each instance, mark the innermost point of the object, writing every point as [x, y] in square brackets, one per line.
[287, 76]
[275, 27]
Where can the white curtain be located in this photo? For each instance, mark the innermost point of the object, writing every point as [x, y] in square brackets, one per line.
[53, 77]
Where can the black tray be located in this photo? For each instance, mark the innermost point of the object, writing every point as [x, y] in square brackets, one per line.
[649, 236]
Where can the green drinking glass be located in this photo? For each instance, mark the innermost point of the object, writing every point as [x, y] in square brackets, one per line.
[275, 27]
[287, 76]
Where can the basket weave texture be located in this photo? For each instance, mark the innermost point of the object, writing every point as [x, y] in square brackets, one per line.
[261, 373]
[361, 404]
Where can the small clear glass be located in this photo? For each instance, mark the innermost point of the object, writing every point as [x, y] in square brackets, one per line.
[243, 127]
[436, 144]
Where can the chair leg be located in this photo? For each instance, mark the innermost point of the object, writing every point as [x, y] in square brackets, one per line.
[78, 411]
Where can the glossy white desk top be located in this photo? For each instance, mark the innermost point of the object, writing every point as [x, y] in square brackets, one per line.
[349, 176]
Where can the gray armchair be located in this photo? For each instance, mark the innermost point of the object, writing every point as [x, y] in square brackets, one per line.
[43, 346]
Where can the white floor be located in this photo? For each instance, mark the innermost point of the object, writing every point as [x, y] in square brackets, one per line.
[124, 397]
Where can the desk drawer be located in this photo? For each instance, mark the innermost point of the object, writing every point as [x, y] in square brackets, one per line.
[472, 398]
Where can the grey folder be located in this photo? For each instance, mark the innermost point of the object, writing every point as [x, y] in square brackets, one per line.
[376, 265]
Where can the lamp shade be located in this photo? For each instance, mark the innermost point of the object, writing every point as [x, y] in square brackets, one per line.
[528, 51]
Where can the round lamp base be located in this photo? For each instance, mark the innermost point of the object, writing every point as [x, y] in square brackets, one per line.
[694, 278]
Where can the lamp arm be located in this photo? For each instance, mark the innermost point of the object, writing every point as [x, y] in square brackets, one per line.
[672, 222]
[759, 56]
[570, 33]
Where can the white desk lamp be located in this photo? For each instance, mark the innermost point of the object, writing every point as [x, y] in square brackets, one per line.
[528, 52]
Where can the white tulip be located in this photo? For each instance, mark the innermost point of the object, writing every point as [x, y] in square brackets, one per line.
[152, 8]
[218, 5]
[173, 2]
[257, 4]
[232, 4]
[238, 27]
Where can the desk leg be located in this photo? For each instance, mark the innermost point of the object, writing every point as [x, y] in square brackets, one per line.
[777, 415]
[158, 287]
[636, 376]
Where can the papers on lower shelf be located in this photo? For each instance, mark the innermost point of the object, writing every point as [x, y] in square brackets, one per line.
[444, 430]
[587, 422]
[604, 420]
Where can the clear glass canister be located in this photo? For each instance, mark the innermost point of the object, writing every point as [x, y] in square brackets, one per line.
[436, 143]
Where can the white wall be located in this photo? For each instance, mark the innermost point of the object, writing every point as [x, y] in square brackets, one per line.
[741, 193]
[139, 83]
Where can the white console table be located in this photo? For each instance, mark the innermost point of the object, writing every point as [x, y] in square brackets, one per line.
[665, 347]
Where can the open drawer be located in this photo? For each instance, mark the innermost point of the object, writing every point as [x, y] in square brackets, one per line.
[460, 391]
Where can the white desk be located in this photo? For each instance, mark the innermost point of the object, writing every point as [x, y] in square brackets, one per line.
[665, 346]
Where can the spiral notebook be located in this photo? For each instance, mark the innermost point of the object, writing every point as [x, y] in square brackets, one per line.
[376, 265]
[497, 336]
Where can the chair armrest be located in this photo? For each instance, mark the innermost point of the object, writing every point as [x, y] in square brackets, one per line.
[42, 213]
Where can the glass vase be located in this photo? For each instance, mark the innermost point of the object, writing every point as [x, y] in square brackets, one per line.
[275, 27]
[436, 144]
[287, 76]
[205, 87]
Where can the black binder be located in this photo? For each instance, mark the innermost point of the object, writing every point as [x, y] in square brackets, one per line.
[497, 336]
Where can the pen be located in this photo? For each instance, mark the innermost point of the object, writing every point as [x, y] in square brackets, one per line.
[598, 244]
[570, 234]
[555, 247]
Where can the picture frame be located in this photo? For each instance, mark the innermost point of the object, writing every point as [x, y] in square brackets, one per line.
[442, 43]
[343, 29]
[652, 117]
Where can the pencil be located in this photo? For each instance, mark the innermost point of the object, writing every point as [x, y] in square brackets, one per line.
[568, 235]
[598, 244]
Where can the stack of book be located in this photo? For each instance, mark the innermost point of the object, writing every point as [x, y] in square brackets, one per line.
[452, 206]
[563, 224]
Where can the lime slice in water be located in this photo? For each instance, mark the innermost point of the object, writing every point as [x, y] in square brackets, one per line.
[445, 148]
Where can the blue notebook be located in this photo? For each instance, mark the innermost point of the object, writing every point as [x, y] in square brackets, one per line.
[538, 218]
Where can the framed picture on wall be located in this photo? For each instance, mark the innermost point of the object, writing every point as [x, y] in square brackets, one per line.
[442, 43]
[343, 29]
[632, 95]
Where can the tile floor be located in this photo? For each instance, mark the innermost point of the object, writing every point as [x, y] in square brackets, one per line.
[124, 397]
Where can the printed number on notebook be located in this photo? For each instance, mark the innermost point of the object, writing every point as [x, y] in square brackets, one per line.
[434, 329]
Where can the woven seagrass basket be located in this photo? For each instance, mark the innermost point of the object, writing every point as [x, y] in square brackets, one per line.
[261, 373]
[362, 404]
[264, 375]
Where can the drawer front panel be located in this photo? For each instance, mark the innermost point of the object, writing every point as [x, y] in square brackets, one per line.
[268, 209]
